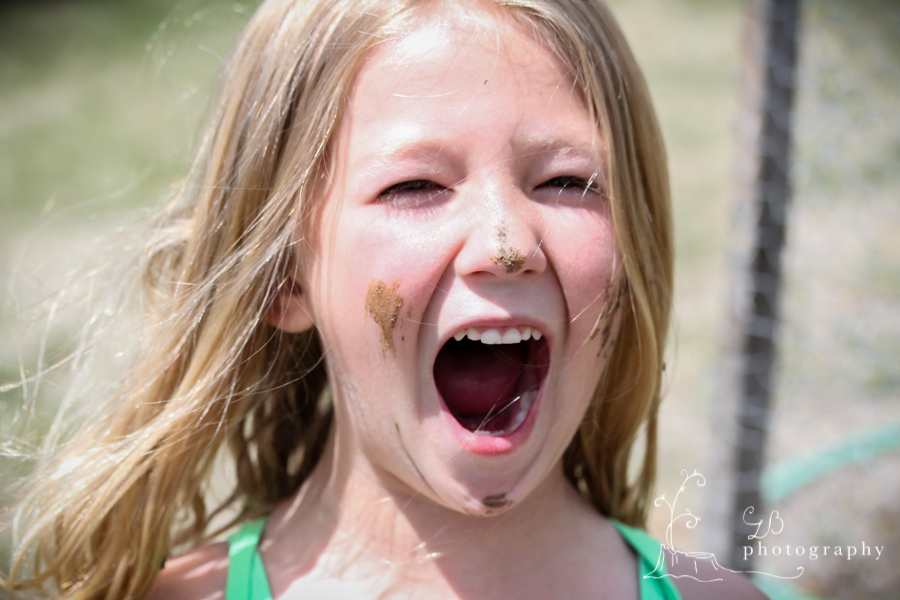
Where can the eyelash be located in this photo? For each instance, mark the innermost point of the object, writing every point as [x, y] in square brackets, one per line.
[415, 185]
[573, 182]
[415, 193]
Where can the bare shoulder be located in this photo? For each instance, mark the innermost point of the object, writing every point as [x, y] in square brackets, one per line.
[200, 574]
[699, 577]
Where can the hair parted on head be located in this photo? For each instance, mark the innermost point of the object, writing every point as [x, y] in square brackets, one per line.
[210, 369]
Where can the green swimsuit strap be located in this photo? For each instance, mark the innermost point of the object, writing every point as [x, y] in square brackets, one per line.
[654, 583]
[246, 574]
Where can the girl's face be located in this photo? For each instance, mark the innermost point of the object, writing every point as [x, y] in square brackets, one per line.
[465, 203]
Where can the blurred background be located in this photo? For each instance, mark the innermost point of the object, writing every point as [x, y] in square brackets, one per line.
[102, 102]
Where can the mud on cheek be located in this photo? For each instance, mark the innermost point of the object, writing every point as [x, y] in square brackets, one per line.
[383, 303]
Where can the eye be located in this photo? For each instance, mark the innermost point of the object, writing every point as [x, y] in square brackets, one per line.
[413, 193]
[572, 182]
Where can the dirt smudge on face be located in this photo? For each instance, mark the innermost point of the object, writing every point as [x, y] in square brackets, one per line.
[383, 304]
[511, 258]
[496, 501]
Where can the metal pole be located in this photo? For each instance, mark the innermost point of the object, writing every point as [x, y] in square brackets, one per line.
[771, 194]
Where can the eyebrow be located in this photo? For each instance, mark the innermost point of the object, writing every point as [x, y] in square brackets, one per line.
[555, 145]
[427, 150]
[417, 150]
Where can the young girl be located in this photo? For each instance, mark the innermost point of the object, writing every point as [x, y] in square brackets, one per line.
[419, 284]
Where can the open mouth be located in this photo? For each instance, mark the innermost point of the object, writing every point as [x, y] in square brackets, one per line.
[490, 379]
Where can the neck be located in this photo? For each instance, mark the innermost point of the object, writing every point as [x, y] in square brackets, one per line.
[351, 523]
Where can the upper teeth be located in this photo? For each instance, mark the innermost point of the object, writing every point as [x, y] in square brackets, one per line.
[492, 336]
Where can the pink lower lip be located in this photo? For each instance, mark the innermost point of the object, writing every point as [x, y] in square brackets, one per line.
[493, 446]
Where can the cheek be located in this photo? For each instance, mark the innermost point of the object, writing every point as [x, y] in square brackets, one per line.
[592, 278]
[375, 277]
[588, 265]
[413, 252]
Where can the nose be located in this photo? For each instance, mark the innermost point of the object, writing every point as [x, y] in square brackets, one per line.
[505, 238]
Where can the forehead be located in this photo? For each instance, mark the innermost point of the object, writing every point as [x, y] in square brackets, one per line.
[457, 70]
[439, 34]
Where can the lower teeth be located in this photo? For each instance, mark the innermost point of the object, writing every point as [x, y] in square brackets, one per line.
[520, 404]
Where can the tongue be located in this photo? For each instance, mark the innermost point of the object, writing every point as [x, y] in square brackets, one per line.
[473, 377]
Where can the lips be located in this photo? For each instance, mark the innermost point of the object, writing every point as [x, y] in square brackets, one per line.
[489, 378]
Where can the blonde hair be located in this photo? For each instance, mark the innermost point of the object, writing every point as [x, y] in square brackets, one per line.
[130, 484]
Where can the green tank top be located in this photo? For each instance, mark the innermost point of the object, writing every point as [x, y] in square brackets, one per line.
[247, 575]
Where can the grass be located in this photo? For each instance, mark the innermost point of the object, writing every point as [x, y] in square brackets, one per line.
[100, 100]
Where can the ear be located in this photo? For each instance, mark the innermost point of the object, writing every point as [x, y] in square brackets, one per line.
[290, 311]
